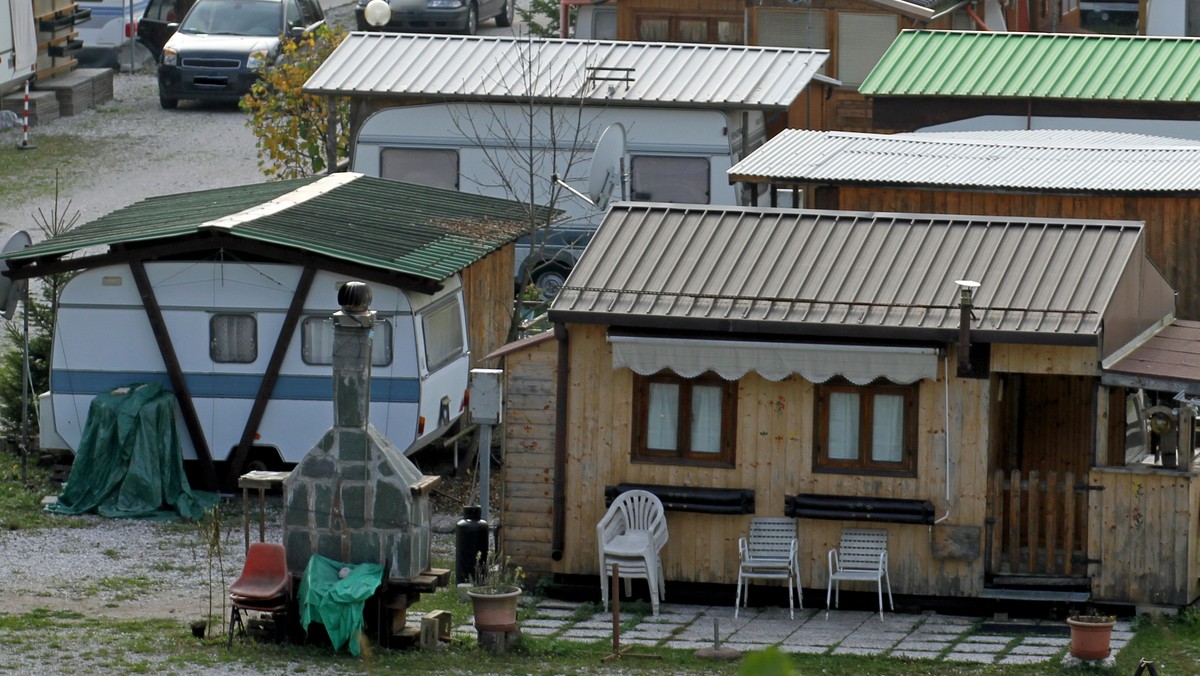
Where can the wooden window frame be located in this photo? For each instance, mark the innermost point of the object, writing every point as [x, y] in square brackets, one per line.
[640, 453]
[863, 464]
[673, 32]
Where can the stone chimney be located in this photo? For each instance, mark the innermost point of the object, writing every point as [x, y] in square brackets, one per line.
[355, 497]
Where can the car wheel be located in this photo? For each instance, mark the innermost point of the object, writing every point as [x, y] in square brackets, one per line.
[550, 280]
[167, 103]
[472, 19]
[505, 18]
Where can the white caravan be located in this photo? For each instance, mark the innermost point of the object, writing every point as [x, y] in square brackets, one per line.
[223, 318]
[668, 155]
[18, 44]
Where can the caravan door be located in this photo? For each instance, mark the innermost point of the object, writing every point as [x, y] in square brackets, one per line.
[18, 44]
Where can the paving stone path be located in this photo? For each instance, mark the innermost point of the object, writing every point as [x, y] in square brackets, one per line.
[929, 635]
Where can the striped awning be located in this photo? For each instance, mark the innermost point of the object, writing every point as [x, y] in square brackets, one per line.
[732, 359]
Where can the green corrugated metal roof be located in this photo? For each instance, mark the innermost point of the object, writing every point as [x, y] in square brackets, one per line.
[421, 231]
[1038, 65]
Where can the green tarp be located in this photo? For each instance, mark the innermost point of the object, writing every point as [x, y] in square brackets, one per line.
[328, 598]
[129, 462]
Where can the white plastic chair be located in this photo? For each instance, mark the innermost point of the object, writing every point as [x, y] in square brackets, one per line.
[770, 554]
[631, 535]
[862, 555]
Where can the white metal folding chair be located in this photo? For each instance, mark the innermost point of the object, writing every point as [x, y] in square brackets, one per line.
[861, 556]
[770, 554]
[631, 535]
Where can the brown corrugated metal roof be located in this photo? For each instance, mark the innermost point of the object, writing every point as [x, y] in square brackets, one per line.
[850, 274]
[1168, 361]
[462, 68]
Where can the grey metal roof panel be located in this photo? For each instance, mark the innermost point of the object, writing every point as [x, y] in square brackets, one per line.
[1078, 161]
[425, 232]
[457, 68]
[1065, 138]
[850, 273]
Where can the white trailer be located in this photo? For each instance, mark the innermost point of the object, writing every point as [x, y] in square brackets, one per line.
[18, 44]
[222, 318]
[669, 155]
[225, 296]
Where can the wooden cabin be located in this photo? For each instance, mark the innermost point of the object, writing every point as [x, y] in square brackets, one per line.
[949, 81]
[986, 441]
[856, 33]
[1037, 173]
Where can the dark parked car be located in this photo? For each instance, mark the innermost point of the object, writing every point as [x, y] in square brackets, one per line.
[439, 16]
[216, 53]
[159, 22]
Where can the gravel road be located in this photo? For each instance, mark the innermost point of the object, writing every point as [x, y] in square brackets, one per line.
[160, 152]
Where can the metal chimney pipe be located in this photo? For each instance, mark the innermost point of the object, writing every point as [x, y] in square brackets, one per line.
[966, 300]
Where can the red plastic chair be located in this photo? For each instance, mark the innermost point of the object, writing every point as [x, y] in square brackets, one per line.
[265, 586]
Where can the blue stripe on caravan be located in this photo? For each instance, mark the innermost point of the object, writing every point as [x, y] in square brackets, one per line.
[231, 385]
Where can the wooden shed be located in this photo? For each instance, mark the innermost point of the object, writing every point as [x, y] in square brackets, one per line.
[991, 451]
[1036, 173]
[1036, 80]
[856, 33]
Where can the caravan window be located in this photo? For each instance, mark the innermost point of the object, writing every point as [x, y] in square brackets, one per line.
[683, 180]
[316, 342]
[423, 166]
[233, 339]
[444, 340]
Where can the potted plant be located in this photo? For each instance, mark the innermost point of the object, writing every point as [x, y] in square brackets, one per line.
[1091, 635]
[494, 595]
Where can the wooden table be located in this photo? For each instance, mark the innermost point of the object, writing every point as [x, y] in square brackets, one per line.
[262, 480]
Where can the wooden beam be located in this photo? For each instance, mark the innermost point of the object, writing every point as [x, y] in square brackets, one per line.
[270, 376]
[203, 243]
[175, 373]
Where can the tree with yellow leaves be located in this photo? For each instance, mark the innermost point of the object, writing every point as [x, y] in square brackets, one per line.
[291, 127]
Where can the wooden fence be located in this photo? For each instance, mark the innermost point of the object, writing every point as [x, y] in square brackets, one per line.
[1037, 524]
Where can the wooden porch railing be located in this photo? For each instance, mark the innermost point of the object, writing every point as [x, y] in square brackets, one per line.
[1038, 525]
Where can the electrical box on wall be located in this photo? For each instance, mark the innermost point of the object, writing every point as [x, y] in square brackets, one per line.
[487, 402]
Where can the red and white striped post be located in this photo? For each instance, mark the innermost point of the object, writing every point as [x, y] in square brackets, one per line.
[25, 144]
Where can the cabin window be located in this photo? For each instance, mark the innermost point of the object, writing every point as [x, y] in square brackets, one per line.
[866, 428]
[423, 166]
[233, 339]
[316, 342]
[684, 420]
[443, 329]
[682, 180]
[725, 28]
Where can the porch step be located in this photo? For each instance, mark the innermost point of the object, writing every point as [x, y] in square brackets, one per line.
[1036, 595]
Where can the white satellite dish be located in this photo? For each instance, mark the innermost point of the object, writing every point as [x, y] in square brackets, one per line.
[11, 292]
[605, 172]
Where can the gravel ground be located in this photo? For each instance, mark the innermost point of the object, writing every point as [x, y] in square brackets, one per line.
[126, 569]
[160, 152]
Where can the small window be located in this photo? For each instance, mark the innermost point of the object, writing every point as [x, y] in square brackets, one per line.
[422, 166]
[316, 341]
[868, 428]
[233, 339]
[684, 420]
[682, 180]
[444, 339]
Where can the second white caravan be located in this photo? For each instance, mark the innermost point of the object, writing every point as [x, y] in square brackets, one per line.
[515, 152]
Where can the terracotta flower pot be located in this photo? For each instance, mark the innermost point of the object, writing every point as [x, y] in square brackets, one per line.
[1091, 636]
[495, 612]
